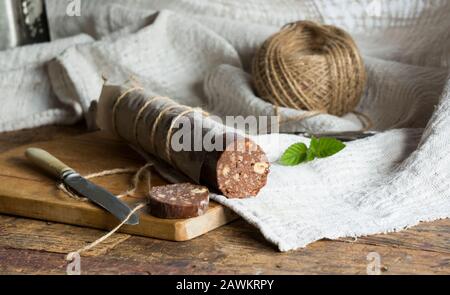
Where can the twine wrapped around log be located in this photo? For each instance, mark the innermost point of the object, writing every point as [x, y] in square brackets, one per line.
[311, 67]
[232, 165]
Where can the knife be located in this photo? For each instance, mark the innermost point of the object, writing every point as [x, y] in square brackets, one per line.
[80, 185]
[343, 136]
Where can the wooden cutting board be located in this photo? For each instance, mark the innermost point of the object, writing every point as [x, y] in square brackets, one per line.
[27, 191]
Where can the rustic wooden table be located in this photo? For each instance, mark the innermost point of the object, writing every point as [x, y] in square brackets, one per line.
[37, 247]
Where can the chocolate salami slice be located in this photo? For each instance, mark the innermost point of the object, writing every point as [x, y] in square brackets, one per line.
[178, 201]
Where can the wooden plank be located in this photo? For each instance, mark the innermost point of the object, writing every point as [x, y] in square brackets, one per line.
[241, 249]
[430, 236]
[19, 233]
[9, 140]
[153, 258]
[27, 192]
[234, 249]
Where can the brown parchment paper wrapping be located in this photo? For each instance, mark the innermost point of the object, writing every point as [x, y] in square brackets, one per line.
[122, 122]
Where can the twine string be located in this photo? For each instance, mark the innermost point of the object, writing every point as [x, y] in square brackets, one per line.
[136, 179]
[130, 192]
[139, 115]
[158, 120]
[110, 233]
[170, 132]
[116, 106]
[156, 124]
[117, 171]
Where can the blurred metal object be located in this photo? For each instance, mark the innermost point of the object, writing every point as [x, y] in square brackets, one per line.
[22, 22]
[342, 136]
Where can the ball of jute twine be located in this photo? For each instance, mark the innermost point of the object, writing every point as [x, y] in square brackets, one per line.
[311, 67]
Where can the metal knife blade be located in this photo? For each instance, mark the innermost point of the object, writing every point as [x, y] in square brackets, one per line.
[81, 186]
[343, 136]
[99, 196]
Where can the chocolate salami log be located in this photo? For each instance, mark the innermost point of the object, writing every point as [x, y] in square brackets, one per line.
[187, 139]
[178, 201]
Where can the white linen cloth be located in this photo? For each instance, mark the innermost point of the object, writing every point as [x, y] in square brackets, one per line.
[199, 53]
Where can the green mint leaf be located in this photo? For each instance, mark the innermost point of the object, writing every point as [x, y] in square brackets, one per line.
[310, 155]
[318, 148]
[314, 145]
[294, 155]
[327, 147]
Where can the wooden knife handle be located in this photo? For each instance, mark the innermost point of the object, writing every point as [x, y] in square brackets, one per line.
[47, 162]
